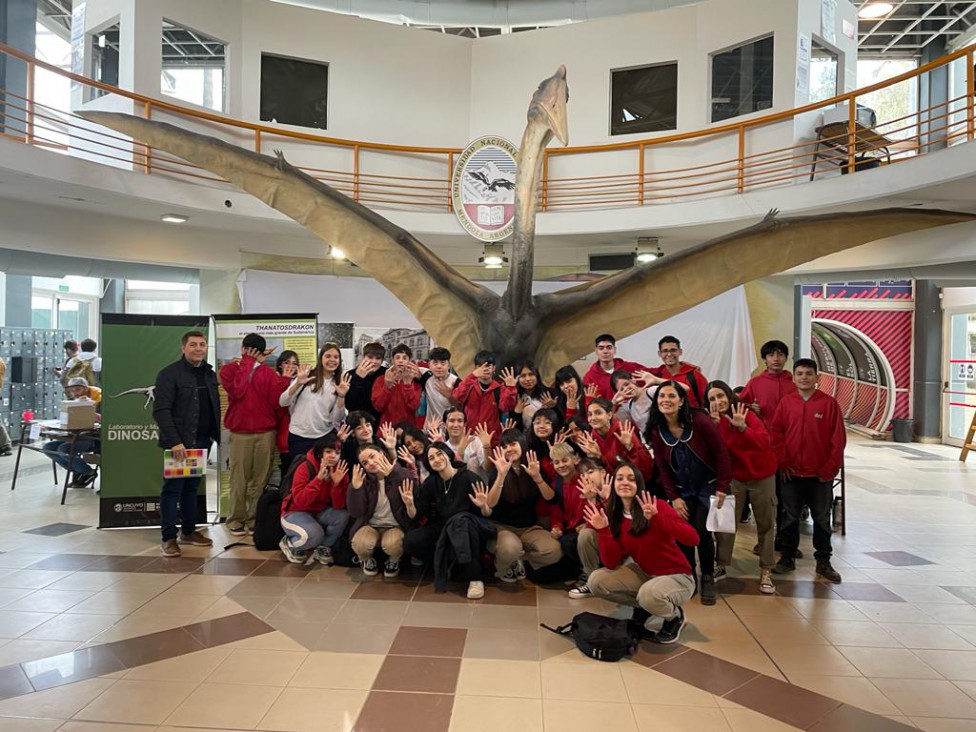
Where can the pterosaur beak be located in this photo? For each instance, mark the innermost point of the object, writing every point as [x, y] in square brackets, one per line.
[551, 98]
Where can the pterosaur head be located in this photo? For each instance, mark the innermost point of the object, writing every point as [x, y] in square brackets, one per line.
[549, 104]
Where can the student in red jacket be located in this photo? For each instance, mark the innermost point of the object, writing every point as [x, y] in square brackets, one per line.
[578, 484]
[253, 390]
[636, 525]
[570, 396]
[674, 369]
[753, 477]
[606, 363]
[313, 514]
[611, 441]
[693, 464]
[396, 395]
[483, 398]
[809, 439]
[287, 366]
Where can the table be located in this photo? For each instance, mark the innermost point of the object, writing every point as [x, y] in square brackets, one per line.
[836, 137]
[51, 429]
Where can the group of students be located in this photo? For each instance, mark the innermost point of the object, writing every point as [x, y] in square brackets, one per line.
[607, 478]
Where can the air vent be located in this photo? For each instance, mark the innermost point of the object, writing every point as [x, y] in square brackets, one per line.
[611, 262]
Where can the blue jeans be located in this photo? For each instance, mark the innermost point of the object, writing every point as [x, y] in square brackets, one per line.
[305, 531]
[59, 450]
[178, 501]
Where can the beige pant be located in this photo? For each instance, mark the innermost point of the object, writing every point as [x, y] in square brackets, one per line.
[390, 540]
[630, 585]
[533, 544]
[762, 498]
[251, 459]
[588, 549]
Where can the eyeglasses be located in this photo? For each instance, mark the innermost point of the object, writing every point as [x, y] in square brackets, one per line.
[669, 350]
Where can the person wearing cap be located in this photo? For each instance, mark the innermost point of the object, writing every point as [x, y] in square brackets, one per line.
[253, 390]
[60, 450]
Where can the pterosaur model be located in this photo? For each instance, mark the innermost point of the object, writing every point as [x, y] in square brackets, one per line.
[554, 328]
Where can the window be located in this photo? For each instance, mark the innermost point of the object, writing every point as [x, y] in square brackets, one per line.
[67, 303]
[895, 104]
[105, 58]
[644, 99]
[157, 298]
[52, 92]
[742, 79]
[823, 73]
[294, 92]
[193, 66]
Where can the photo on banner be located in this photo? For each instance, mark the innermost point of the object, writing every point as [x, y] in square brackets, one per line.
[134, 349]
[282, 332]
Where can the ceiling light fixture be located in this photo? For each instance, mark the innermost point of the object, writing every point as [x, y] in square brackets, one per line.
[174, 218]
[336, 253]
[648, 249]
[493, 256]
[871, 11]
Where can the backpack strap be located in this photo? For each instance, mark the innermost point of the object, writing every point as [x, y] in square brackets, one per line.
[559, 629]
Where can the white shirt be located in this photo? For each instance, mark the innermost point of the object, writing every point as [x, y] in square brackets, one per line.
[437, 403]
[474, 456]
[313, 415]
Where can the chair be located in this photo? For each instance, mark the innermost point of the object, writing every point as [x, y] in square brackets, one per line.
[834, 140]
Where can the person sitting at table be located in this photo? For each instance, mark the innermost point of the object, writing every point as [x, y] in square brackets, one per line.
[60, 450]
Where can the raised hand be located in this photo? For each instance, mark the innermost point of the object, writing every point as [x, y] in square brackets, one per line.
[647, 378]
[484, 435]
[592, 391]
[406, 456]
[559, 437]
[508, 423]
[339, 471]
[738, 418]
[435, 424]
[442, 386]
[342, 388]
[464, 442]
[595, 517]
[323, 471]
[358, 477]
[532, 466]
[556, 532]
[406, 493]
[606, 486]
[365, 368]
[480, 496]
[648, 504]
[586, 489]
[626, 435]
[500, 462]
[714, 412]
[305, 375]
[548, 401]
[388, 436]
[588, 445]
[386, 467]
[289, 369]
[571, 391]
[508, 376]
[343, 432]
[392, 375]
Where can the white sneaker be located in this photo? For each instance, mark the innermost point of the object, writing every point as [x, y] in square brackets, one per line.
[510, 575]
[476, 590]
[581, 592]
[520, 569]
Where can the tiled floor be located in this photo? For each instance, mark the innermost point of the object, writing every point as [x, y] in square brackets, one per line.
[99, 633]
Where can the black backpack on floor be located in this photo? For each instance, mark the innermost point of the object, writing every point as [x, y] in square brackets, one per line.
[600, 637]
[267, 516]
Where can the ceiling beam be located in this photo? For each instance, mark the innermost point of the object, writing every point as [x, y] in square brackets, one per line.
[945, 28]
[918, 20]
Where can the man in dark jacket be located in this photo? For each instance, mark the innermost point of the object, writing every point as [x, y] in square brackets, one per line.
[362, 378]
[187, 410]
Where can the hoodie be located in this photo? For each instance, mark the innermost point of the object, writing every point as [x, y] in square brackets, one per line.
[687, 372]
[253, 390]
[599, 376]
[311, 495]
[767, 390]
[485, 404]
[809, 436]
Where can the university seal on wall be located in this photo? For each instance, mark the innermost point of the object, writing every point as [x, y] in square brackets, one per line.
[483, 188]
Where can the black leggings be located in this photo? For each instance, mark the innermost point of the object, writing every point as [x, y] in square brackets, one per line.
[422, 542]
[697, 515]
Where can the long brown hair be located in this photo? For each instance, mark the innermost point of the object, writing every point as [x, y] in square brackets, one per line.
[729, 394]
[615, 506]
[319, 371]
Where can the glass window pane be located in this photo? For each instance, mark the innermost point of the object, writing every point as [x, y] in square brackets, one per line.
[742, 80]
[294, 92]
[42, 311]
[644, 99]
[193, 66]
[105, 58]
[823, 73]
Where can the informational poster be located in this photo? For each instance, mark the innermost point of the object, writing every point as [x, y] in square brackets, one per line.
[802, 68]
[282, 332]
[134, 349]
[77, 43]
[828, 20]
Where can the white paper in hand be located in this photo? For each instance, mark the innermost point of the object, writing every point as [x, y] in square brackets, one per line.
[721, 519]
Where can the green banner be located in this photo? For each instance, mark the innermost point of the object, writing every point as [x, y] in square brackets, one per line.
[134, 348]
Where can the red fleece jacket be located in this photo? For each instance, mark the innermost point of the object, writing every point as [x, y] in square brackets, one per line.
[751, 451]
[656, 550]
[311, 495]
[252, 395]
[396, 402]
[485, 405]
[767, 390]
[687, 372]
[613, 452]
[809, 436]
[596, 375]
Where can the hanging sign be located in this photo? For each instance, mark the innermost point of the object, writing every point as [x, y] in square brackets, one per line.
[483, 188]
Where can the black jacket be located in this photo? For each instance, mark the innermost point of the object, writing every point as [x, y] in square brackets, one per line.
[461, 540]
[360, 396]
[176, 407]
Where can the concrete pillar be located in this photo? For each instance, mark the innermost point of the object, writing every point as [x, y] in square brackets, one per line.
[17, 299]
[927, 373]
[18, 20]
[933, 95]
[113, 301]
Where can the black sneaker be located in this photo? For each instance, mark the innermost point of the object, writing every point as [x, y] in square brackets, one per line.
[391, 568]
[719, 573]
[784, 565]
[798, 554]
[671, 629]
[827, 572]
[707, 590]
